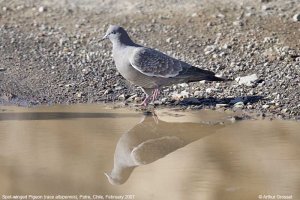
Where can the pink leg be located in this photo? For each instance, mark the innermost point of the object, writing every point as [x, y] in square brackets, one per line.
[155, 94]
[153, 97]
[145, 102]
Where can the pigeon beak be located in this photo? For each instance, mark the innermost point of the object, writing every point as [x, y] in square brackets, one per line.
[104, 38]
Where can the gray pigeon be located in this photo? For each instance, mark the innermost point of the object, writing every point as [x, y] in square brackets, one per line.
[151, 69]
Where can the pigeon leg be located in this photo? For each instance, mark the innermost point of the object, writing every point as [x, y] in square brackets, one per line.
[145, 102]
[155, 94]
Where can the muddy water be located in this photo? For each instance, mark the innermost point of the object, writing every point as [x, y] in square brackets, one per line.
[97, 150]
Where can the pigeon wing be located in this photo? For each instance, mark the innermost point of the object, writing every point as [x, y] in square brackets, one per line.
[154, 149]
[154, 63]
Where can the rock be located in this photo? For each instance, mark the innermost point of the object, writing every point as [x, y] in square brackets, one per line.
[184, 94]
[247, 80]
[79, 94]
[296, 17]
[238, 23]
[194, 15]
[265, 106]
[221, 105]
[266, 7]
[183, 85]
[121, 97]
[198, 93]
[62, 41]
[235, 118]
[4, 9]
[239, 104]
[108, 91]
[168, 40]
[177, 96]
[209, 49]
[42, 9]
[2, 69]
[132, 98]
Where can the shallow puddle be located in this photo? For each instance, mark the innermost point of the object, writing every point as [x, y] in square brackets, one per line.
[98, 151]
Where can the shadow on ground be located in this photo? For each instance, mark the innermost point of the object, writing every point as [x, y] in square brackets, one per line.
[212, 102]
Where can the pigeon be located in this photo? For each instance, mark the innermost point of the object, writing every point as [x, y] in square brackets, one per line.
[153, 139]
[151, 69]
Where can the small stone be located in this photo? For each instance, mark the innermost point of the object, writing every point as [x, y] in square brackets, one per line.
[266, 7]
[20, 7]
[2, 69]
[296, 18]
[184, 94]
[194, 15]
[108, 91]
[42, 9]
[168, 40]
[221, 105]
[238, 23]
[4, 9]
[121, 97]
[164, 100]
[62, 41]
[285, 110]
[239, 104]
[132, 98]
[209, 49]
[247, 80]
[235, 118]
[79, 94]
[220, 15]
[198, 93]
[265, 106]
[209, 90]
[183, 85]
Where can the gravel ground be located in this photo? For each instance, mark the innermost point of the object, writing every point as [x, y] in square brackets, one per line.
[50, 52]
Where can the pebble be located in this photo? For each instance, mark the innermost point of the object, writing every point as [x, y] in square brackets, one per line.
[168, 40]
[198, 93]
[194, 15]
[221, 105]
[266, 7]
[132, 98]
[247, 80]
[121, 97]
[239, 104]
[265, 106]
[238, 23]
[209, 49]
[2, 69]
[79, 94]
[42, 9]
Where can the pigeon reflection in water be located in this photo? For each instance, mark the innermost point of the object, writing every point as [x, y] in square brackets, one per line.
[150, 140]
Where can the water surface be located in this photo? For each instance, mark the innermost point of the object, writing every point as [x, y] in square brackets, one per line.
[97, 150]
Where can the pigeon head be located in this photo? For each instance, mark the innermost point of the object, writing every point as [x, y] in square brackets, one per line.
[117, 34]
